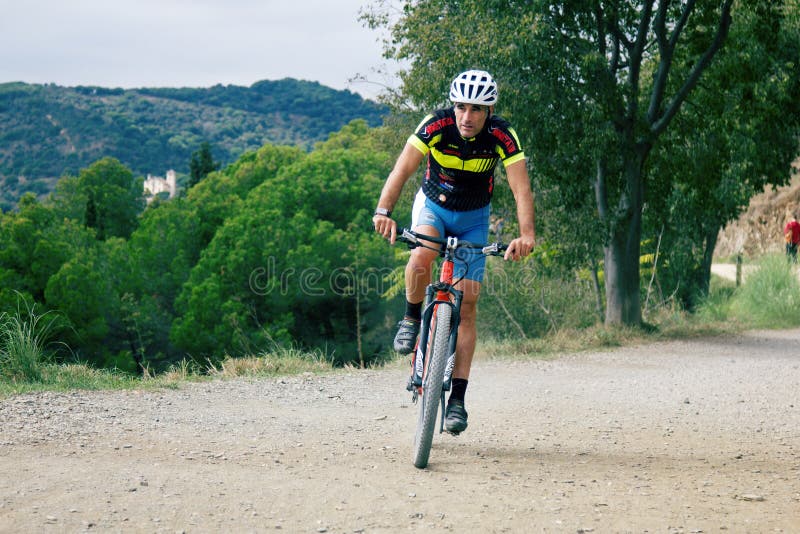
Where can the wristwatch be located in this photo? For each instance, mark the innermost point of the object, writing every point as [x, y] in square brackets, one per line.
[383, 211]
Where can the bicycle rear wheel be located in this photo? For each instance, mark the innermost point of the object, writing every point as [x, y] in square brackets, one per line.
[432, 384]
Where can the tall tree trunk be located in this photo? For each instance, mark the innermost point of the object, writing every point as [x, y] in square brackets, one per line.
[708, 258]
[622, 276]
[598, 291]
[623, 246]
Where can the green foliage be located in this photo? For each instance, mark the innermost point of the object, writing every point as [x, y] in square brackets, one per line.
[139, 288]
[716, 305]
[24, 336]
[293, 260]
[170, 240]
[34, 244]
[81, 292]
[737, 135]
[770, 295]
[113, 198]
[201, 164]
[47, 131]
[525, 301]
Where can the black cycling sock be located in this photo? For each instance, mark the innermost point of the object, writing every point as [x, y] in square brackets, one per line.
[414, 311]
[459, 389]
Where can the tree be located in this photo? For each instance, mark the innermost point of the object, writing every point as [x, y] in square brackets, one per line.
[113, 198]
[81, 293]
[282, 267]
[595, 84]
[201, 164]
[736, 134]
[35, 242]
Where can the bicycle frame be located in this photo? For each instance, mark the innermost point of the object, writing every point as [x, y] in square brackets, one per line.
[442, 292]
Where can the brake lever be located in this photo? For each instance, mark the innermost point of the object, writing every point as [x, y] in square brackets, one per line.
[409, 239]
[494, 249]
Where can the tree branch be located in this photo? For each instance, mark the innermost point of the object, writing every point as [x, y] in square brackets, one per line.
[673, 41]
[511, 319]
[666, 49]
[618, 39]
[694, 76]
[635, 62]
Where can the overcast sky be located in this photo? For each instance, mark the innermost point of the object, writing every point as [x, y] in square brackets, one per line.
[187, 43]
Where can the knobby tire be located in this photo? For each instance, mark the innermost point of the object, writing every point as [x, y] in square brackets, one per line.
[432, 385]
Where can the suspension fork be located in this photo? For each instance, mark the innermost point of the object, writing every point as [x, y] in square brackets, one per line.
[440, 293]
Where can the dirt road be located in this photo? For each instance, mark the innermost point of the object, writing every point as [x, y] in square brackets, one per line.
[696, 436]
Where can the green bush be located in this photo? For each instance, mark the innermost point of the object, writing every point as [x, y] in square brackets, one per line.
[23, 340]
[770, 295]
[716, 306]
[519, 302]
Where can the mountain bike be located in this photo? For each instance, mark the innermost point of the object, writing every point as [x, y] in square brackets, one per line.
[434, 356]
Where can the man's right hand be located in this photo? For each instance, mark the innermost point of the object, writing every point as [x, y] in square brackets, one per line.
[386, 226]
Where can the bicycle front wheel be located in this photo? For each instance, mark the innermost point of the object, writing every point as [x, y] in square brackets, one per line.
[439, 339]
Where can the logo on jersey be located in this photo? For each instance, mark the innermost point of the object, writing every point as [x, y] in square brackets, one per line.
[436, 126]
[506, 140]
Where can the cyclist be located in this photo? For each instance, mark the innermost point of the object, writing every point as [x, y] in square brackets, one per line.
[463, 145]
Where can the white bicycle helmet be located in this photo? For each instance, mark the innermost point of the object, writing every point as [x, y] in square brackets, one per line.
[474, 87]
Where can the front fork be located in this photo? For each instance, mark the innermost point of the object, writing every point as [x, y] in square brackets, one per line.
[436, 294]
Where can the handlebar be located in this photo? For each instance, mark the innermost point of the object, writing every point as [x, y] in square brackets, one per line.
[415, 239]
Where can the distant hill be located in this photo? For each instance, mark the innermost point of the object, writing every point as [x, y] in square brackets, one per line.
[47, 131]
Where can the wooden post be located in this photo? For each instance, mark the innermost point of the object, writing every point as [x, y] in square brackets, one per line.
[738, 270]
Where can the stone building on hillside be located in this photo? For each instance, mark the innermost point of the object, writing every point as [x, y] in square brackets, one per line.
[154, 185]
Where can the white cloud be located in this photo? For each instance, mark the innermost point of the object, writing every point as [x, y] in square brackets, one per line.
[186, 43]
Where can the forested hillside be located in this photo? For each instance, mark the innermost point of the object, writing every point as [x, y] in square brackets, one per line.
[263, 252]
[47, 131]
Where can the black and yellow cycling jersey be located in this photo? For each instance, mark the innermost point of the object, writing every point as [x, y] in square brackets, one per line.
[460, 172]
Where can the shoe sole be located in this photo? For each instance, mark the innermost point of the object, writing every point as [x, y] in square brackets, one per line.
[454, 431]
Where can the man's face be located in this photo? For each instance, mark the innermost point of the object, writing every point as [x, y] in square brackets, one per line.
[470, 118]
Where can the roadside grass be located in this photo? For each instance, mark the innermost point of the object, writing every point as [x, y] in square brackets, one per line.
[770, 298]
[278, 361]
[666, 325]
[24, 336]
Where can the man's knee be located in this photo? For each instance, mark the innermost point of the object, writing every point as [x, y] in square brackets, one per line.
[469, 311]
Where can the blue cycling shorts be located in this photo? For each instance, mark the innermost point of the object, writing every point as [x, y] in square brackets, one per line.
[470, 226]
